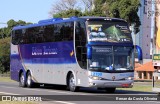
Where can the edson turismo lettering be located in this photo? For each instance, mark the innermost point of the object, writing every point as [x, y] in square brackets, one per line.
[43, 51]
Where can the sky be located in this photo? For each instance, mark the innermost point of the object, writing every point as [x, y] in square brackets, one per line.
[26, 10]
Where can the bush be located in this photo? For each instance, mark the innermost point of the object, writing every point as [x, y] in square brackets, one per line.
[4, 55]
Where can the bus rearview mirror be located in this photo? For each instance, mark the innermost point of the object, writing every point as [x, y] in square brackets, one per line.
[139, 51]
[89, 52]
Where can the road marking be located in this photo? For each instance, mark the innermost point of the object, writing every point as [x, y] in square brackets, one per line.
[70, 93]
[48, 91]
[155, 102]
[9, 93]
[64, 102]
[39, 90]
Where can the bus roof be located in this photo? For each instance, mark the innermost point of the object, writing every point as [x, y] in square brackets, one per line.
[62, 20]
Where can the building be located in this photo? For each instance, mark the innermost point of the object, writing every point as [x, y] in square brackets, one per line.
[145, 37]
[144, 72]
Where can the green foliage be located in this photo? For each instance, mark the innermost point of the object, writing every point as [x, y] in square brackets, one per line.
[125, 9]
[20, 22]
[11, 23]
[4, 54]
[97, 11]
[68, 13]
[6, 31]
[5, 34]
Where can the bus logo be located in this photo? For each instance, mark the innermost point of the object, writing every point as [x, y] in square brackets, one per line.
[113, 78]
[72, 53]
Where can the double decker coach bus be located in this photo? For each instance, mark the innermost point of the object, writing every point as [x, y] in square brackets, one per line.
[76, 52]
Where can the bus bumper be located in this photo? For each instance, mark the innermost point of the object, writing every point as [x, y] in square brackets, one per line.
[110, 84]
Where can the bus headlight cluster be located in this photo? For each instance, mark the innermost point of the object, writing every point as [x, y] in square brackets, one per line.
[95, 77]
[129, 78]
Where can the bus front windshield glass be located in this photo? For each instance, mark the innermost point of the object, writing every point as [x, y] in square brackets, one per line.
[111, 58]
[108, 31]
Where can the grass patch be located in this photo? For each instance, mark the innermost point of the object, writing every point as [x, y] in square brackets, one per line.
[6, 79]
[143, 88]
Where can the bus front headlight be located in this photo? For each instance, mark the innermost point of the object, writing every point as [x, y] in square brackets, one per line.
[129, 78]
[95, 78]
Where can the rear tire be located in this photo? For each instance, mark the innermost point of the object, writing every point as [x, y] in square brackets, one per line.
[71, 84]
[22, 81]
[110, 90]
[29, 81]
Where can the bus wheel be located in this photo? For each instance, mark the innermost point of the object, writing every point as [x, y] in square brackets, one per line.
[71, 84]
[110, 90]
[22, 82]
[29, 81]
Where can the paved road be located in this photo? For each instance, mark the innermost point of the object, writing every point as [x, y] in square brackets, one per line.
[60, 95]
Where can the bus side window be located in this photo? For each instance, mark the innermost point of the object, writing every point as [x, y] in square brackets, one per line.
[30, 36]
[68, 31]
[17, 37]
[49, 33]
[58, 32]
[13, 38]
[39, 32]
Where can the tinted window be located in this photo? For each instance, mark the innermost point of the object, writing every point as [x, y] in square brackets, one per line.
[49, 33]
[16, 37]
[34, 35]
[68, 31]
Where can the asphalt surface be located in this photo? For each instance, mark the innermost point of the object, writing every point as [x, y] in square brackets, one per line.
[59, 95]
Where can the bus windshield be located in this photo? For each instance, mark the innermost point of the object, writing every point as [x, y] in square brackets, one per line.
[111, 58]
[108, 31]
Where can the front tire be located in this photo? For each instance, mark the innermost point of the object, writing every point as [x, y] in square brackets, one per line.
[22, 82]
[71, 84]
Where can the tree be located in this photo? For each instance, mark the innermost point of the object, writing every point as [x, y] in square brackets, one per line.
[1, 33]
[11, 23]
[6, 31]
[125, 9]
[98, 8]
[88, 4]
[5, 44]
[20, 22]
[68, 13]
[62, 6]
[4, 55]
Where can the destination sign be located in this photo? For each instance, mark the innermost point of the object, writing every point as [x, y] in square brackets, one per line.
[156, 57]
[103, 50]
